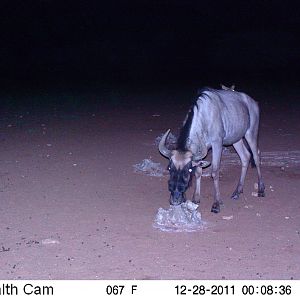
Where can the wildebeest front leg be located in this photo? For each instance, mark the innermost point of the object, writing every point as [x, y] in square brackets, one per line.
[196, 196]
[216, 159]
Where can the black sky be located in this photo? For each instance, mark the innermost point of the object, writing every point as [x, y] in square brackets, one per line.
[133, 41]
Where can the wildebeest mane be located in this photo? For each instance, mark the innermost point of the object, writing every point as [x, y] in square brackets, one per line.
[182, 142]
[185, 131]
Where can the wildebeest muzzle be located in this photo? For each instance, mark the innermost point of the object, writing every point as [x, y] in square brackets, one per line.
[177, 187]
[177, 198]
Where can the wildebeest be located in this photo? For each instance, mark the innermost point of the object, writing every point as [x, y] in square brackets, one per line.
[217, 118]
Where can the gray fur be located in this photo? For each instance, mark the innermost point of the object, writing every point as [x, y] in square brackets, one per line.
[223, 117]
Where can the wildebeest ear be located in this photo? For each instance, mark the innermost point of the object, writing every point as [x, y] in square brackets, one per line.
[201, 163]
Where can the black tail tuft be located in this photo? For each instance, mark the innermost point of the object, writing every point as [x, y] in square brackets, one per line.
[252, 162]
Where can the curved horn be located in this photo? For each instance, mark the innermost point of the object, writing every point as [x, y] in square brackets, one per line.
[201, 151]
[162, 145]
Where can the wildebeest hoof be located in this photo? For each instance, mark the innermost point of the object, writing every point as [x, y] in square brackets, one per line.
[196, 201]
[215, 208]
[235, 196]
[261, 194]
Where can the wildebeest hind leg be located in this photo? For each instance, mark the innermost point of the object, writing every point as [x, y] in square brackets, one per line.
[251, 138]
[245, 157]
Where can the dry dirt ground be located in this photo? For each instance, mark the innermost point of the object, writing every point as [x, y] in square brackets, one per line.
[72, 206]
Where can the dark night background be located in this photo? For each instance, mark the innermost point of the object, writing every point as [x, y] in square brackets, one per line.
[134, 43]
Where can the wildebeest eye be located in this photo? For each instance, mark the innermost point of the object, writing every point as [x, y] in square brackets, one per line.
[170, 166]
[190, 170]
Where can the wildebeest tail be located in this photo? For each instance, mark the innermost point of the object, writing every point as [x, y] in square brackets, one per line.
[252, 162]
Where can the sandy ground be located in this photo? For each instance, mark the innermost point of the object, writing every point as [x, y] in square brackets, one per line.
[72, 206]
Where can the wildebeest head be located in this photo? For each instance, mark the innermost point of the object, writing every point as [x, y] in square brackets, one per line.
[182, 165]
